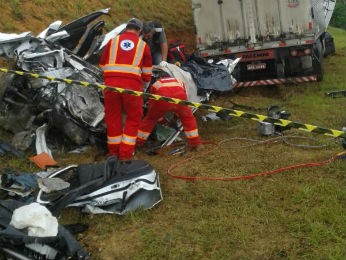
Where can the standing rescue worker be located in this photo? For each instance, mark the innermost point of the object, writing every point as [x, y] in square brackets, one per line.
[155, 36]
[126, 63]
[169, 87]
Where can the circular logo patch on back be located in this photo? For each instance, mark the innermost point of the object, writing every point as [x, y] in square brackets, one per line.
[127, 45]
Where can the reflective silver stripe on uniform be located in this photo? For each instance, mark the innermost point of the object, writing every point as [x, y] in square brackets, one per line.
[181, 83]
[168, 84]
[139, 53]
[143, 135]
[191, 134]
[113, 50]
[156, 85]
[130, 140]
[122, 69]
[114, 140]
[147, 70]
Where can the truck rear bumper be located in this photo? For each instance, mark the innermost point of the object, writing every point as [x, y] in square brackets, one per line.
[282, 81]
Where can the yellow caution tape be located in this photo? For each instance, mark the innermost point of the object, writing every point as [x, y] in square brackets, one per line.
[215, 109]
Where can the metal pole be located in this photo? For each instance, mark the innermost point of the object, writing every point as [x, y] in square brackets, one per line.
[220, 2]
[280, 16]
[243, 18]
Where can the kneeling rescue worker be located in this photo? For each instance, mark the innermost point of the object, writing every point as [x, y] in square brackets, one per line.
[169, 87]
[126, 63]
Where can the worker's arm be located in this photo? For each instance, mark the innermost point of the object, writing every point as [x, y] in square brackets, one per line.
[147, 65]
[163, 45]
[164, 51]
[105, 54]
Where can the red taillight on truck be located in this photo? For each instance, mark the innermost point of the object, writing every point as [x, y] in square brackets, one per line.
[199, 40]
[300, 52]
[307, 51]
[294, 53]
[309, 41]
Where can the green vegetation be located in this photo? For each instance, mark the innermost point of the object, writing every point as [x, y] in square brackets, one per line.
[17, 10]
[339, 14]
[9, 26]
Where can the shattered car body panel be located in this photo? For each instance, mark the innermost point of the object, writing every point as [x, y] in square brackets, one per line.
[83, 32]
[85, 104]
[9, 42]
[108, 187]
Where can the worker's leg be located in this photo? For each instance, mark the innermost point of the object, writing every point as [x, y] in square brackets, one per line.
[189, 123]
[133, 107]
[155, 112]
[113, 119]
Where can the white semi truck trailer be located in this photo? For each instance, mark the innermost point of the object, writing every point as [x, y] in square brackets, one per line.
[277, 41]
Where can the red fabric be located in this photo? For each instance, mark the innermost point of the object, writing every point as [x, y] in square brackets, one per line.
[176, 52]
[169, 87]
[121, 134]
[125, 57]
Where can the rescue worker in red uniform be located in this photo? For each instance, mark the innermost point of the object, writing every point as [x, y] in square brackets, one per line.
[169, 87]
[126, 63]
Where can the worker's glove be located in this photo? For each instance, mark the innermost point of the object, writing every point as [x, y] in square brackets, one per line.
[163, 63]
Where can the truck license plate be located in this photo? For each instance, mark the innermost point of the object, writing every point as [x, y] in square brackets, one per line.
[258, 66]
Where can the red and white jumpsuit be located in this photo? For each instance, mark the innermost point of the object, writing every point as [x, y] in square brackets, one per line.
[169, 87]
[126, 63]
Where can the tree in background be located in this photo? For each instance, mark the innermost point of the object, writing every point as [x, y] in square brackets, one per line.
[339, 15]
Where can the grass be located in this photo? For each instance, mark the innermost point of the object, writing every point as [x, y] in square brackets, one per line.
[17, 10]
[9, 26]
[296, 214]
[176, 15]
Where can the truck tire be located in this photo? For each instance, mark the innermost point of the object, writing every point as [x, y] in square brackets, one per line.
[317, 60]
[329, 46]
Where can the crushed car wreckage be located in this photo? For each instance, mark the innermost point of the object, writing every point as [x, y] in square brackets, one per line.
[17, 243]
[31, 107]
[28, 103]
[106, 187]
